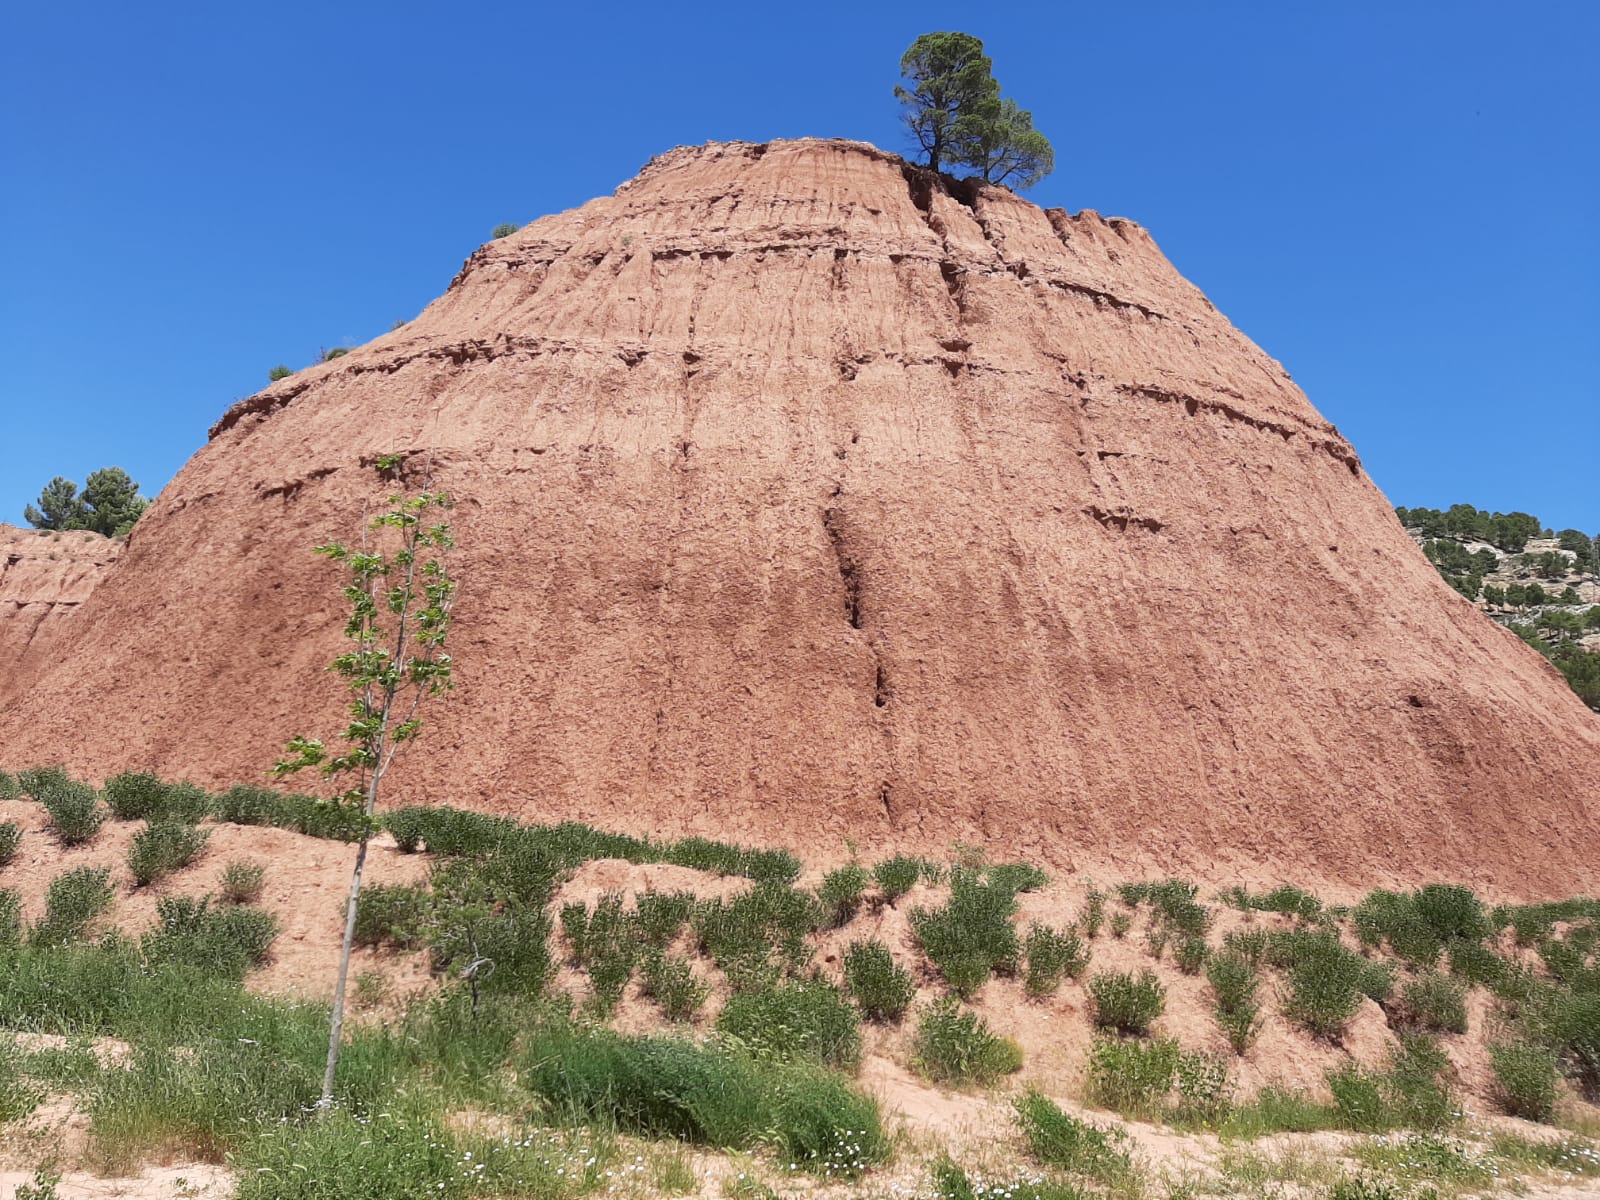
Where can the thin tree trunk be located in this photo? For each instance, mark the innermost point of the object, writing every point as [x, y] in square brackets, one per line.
[336, 1027]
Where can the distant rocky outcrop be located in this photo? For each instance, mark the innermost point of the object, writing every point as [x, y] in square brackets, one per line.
[44, 579]
[807, 497]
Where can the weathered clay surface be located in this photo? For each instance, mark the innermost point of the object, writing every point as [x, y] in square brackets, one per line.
[801, 497]
[44, 578]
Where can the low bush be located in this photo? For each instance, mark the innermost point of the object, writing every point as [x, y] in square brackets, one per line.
[242, 881]
[1052, 955]
[661, 915]
[1248, 944]
[1190, 954]
[1233, 985]
[249, 805]
[75, 812]
[1094, 913]
[1174, 903]
[1285, 899]
[18, 1095]
[513, 934]
[1417, 924]
[669, 980]
[72, 902]
[1131, 1077]
[1326, 981]
[754, 937]
[1410, 1092]
[1524, 1079]
[144, 797]
[882, 990]
[841, 892]
[224, 941]
[10, 789]
[10, 840]
[392, 914]
[503, 230]
[955, 1045]
[1433, 1002]
[1204, 1092]
[1059, 1140]
[897, 876]
[1015, 877]
[1569, 1024]
[162, 847]
[711, 1094]
[1126, 1002]
[281, 371]
[805, 1020]
[971, 936]
[1121, 922]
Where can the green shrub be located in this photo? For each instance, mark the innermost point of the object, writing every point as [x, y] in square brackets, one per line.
[1233, 984]
[1190, 954]
[1052, 955]
[1570, 1025]
[882, 990]
[10, 840]
[1326, 981]
[392, 914]
[72, 902]
[505, 229]
[764, 866]
[755, 936]
[1094, 913]
[1249, 944]
[1059, 1140]
[1365, 1187]
[1418, 924]
[18, 1097]
[242, 881]
[1132, 1077]
[249, 805]
[1476, 963]
[143, 797]
[224, 941]
[971, 936]
[1204, 1093]
[278, 372]
[513, 934]
[10, 919]
[1285, 899]
[803, 1020]
[1125, 1002]
[75, 812]
[10, 789]
[162, 847]
[669, 980]
[897, 876]
[955, 1045]
[841, 892]
[38, 782]
[1410, 1093]
[1434, 1002]
[661, 915]
[1174, 903]
[1120, 924]
[1524, 1079]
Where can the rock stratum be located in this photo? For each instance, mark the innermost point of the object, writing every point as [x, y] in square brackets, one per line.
[44, 579]
[804, 496]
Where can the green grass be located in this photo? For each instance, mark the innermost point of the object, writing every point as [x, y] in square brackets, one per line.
[1132, 1077]
[73, 901]
[955, 1045]
[162, 847]
[75, 811]
[670, 981]
[842, 891]
[971, 936]
[10, 840]
[1125, 1002]
[144, 797]
[1052, 955]
[807, 1020]
[243, 881]
[1234, 984]
[1174, 902]
[1525, 1077]
[1058, 1140]
[227, 940]
[897, 876]
[882, 990]
[392, 914]
[1433, 1003]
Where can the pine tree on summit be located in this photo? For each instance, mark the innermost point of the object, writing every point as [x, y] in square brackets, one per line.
[110, 504]
[952, 106]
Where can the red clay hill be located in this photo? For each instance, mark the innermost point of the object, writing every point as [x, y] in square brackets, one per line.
[803, 495]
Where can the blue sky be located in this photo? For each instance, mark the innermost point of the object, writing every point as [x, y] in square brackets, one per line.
[1398, 199]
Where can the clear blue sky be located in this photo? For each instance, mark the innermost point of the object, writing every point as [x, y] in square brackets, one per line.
[1397, 199]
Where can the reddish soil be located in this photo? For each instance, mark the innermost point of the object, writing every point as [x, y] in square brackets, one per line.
[804, 497]
[44, 578]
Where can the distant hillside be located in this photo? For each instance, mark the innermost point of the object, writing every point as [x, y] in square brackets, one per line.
[1542, 584]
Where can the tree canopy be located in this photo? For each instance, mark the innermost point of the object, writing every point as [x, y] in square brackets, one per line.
[951, 104]
[110, 503]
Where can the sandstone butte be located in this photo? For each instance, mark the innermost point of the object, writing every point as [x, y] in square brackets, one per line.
[802, 496]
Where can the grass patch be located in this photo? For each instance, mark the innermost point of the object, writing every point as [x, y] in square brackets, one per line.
[1433, 1003]
[882, 990]
[1052, 955]
[971, 936]
[1524, 1079]
[807, 1020]
[897, 876]
[1126, 1002]
[10, 841]
[1062, 1141]
[243, 881]
[75, 811]
[1234, 984]
[72, 902]
[955, 1045]
[1132, 1077]
[143, 797]
[162, 847]
[841, 892]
